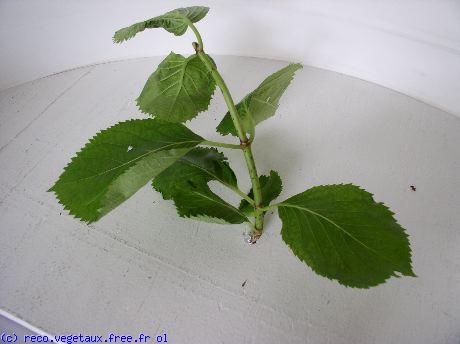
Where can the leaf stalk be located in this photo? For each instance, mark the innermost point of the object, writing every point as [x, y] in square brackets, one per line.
[220, 144]
[270, 207]
[200, 46]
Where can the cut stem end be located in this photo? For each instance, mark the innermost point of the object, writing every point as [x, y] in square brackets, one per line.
[254, 236]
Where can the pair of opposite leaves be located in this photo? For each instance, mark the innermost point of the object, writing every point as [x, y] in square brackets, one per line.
[338, 230]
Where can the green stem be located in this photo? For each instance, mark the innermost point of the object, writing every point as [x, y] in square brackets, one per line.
[226, 93]
[245, 143]
[258, 214]
[259, 217]
[220, 144]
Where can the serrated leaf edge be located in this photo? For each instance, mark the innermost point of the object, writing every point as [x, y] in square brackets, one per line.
[249, 98]
[105, 189]
[406, 236]
[151, 115]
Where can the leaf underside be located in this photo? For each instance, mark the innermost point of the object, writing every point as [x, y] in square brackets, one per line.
[172, 21]
[343, 234]
[178, 90]
[261, 103]
[186, 183]
[271, 187]
[117, 162]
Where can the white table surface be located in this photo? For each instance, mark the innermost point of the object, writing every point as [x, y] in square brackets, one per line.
[143, 269]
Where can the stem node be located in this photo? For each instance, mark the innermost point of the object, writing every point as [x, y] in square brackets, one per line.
[245, 143]
[198, 48]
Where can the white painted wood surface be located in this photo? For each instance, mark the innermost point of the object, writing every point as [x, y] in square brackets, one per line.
[143, 269]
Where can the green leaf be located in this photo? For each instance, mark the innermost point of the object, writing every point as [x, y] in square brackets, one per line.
[175, 21]
[178, 90]
[117, 162]
[343, 234]
[271, 187]
[186, 183]
[261, 103]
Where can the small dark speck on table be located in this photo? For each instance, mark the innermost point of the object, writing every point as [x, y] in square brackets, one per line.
[413, 188]
[244, 283]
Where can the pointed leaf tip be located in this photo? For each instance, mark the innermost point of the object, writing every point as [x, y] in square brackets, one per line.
[343, 234]
[186, 183]
[261, 103]
[106, 172]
